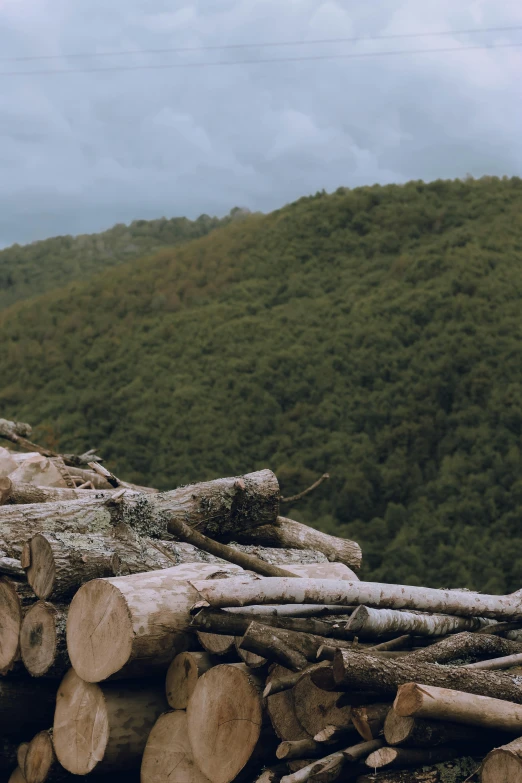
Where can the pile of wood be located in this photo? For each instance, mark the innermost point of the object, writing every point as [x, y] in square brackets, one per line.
[198, 636]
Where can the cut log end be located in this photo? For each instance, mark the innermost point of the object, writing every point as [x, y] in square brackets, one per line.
[182, 676]
[168, 756]
[39, 758]
[224, 722]
[10, 624]
[99, 614]
[38, 639]
[215, 643]
[41, 570]
[501, 766]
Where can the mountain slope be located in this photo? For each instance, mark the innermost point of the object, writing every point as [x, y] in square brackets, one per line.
[373, 333]
[29, 270]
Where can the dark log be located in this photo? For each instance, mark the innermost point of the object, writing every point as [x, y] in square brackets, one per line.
[281, 709]
[421, 733]
[218, 621]
[369, 719]
[457, 771]
[465, 646]
[262, 640]
[300, 749]
[393, 758]
[287, 681]
[43, 644]
[366, 672]
[503, 764]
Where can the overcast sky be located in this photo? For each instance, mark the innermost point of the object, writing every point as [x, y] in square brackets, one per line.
[82, 151]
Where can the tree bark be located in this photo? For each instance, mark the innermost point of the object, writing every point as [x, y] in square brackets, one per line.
[289, 534]
[457, 771]
[421, 733]
[369, 719]
[503, 764]
[264, 641]
[424, 701]
[168, 757]
[22, 493]
[224, 718]
[464, 646]
[219, 508]
[315, 709]
[218, 621]
[367, 622]
[285, 590]
[366, 672]
[183, 674]
[497, 664]
[43, 645]
[393, 758]
[9, 566]
[104, 728]
[281, 709]
[306, 643]
[133, 625]
[25, 707]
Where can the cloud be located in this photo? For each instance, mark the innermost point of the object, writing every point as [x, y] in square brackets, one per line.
[81, 151]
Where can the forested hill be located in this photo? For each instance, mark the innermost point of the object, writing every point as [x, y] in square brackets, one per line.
[375, 334]
[29, 270]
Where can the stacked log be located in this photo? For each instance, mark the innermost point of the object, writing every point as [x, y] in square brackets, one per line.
[197, 636]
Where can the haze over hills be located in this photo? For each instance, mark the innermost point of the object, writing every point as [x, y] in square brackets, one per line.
[374, 334]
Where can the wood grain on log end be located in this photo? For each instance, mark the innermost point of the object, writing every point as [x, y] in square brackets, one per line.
[168, 756]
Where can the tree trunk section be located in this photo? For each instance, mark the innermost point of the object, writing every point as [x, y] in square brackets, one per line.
[218, 508]
[25, 707]
[250, 659]
[369, 719]
[104, 729]
[367, 622]
[421, 733]
[168, 757]
[365, 672]
[40, 763]
[289, 534]
[292, 610]
[224, 718]
[133, 625]
[424, 701]
[218, 644]
[15, 597]
[286, 681]
[393, 758]
[22, 493]
[281, 709]
[267, 643]
[182, 676]
[43, 644]
[465, 646]
[315, 709]
[324, 591]
[504, 764]
[219, 621]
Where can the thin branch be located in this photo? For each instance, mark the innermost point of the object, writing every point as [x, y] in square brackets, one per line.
[294, 498]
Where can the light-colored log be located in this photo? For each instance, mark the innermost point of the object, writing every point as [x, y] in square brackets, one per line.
[218, 644]
[281, 709]
[497, 664]
[104, 728]
[366, 672]
[14, 598]
[7, 463]
[183, 674]
[10, 566]
[40, 764]
[503, 764]
[421, 733]
[40, 471]
[367, 622]
[292, 610]
[316, 709]
[224, 721]
[168, 757]
[133, 625]
[369, 719]
[393, 758]
[425, 701]
[43, 644]
[281, 589]
[294, 535]
[6, 488]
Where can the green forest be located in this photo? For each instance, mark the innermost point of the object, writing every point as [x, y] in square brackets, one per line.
[373, 333]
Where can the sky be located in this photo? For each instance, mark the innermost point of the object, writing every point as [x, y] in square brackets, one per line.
[202, 131]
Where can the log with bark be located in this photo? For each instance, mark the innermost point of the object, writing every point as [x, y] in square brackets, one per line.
[284, 590]
[168, 757]
[18, 432]
[104, 728]
[497, 664]
[134, 625]
[464, 646]
[369, 719]
[281, 709]
[290, 534]
[21, 493]
[224, 719]
[338, 759]
[183, 674]
[267, 643]
[219, 508]
[367, 622]
[287, 681]
[307, 644]
[366, 672]
[393, 758]
[315, 709]
[10, 566]
[423, 701]
[422, 733]
[503, 764]
[43, 644]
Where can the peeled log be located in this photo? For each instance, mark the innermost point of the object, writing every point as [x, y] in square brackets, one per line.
[224, 717]
[369, 622]
[504, 764]
[369, 719]
[287, 533]
[421, 733]
[24, 707]
[316, 709]
[218, 508]
[104, 729]
[43, 645]
[133, 625]
[366, 672]
[424, 701]
[168, 756]
[281, 709]
[182, 676]
[278, 590]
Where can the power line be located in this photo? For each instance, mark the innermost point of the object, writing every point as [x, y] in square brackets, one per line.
[311, 58]
[264, 44]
